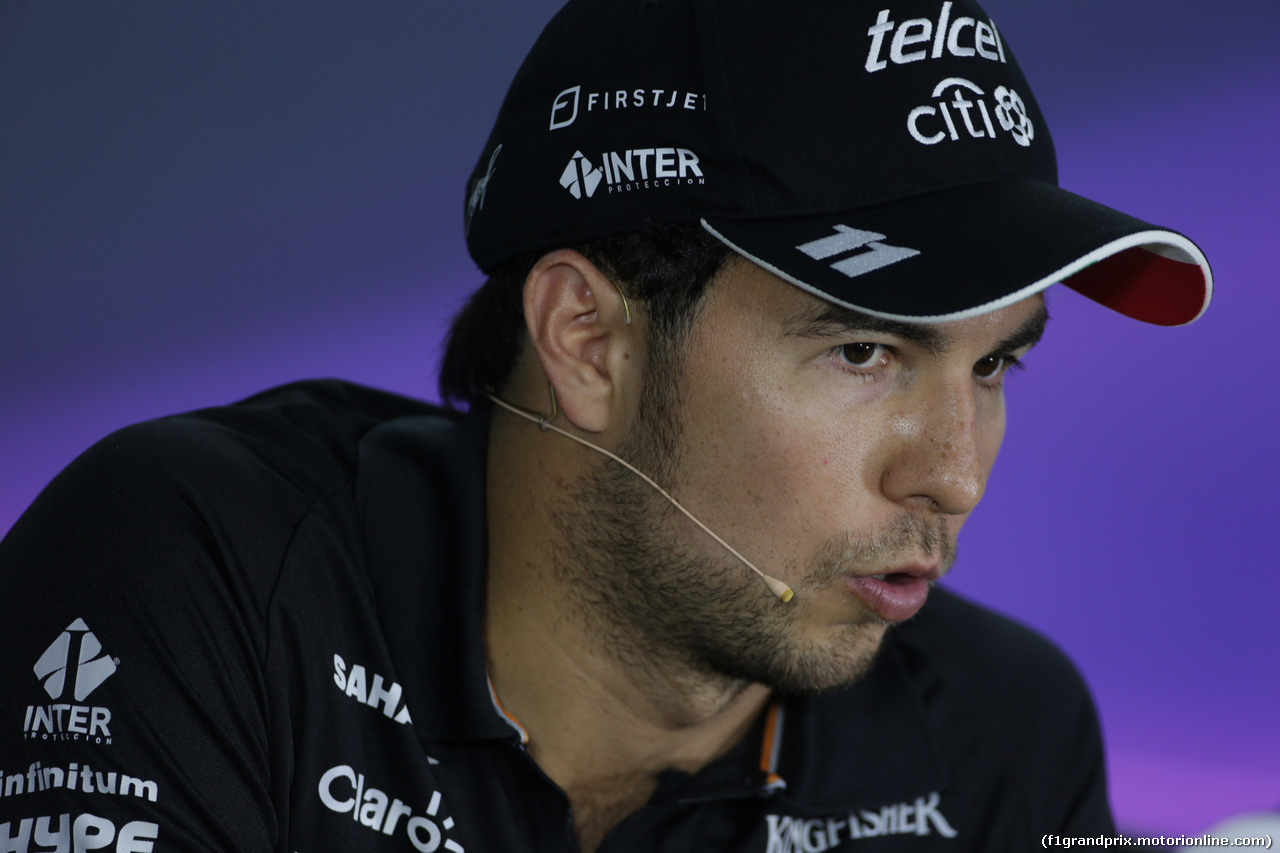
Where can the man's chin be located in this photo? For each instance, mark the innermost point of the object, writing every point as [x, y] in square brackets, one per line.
[820, 664]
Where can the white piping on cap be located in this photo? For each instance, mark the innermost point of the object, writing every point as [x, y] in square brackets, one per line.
[1167, 244]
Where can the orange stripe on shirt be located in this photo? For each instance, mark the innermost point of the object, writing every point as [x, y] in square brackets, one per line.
[772, 731]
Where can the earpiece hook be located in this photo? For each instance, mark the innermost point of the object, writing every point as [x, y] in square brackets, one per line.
[544, 422]
[626, 308]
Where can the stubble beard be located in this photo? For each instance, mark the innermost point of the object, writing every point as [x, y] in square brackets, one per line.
[637, 576]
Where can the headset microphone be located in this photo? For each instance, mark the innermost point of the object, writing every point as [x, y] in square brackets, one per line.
[777, 587]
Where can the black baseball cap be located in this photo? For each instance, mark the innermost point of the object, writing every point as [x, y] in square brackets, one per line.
[887, 156]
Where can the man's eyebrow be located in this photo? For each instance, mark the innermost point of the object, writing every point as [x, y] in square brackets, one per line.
[1028, 334]
[837, 321]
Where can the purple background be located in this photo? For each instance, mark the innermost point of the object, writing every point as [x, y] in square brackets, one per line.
[198, 201]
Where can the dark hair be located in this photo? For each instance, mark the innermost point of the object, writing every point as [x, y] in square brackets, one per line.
[664, 267]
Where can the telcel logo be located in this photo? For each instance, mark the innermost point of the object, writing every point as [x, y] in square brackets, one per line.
[922, 38]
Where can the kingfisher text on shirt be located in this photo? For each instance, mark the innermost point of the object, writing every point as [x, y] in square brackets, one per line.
[796, 835]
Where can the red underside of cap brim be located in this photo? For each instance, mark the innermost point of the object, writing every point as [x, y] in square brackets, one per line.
[1144, 285]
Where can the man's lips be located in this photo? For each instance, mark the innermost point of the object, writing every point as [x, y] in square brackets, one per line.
[897, 594]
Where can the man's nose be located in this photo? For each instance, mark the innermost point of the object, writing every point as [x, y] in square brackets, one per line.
[937, 460]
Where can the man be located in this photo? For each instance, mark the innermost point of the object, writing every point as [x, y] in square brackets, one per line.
[756, 276]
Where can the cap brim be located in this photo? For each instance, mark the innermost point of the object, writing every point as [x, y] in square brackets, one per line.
[969, 250]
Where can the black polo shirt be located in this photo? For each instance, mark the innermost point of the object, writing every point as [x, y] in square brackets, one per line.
[258, 628]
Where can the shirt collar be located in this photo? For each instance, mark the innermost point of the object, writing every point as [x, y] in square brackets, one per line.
[869, 744]
[420, 492]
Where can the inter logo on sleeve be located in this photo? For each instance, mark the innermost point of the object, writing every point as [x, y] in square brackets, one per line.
[71, 668]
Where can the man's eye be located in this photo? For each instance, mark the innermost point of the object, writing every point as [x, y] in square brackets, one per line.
[863, 355]
[992, 366]
[988, 367]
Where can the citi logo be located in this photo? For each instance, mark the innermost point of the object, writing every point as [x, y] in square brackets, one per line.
[965, 113]
[633, 169]
[74, 660]
[871, 253]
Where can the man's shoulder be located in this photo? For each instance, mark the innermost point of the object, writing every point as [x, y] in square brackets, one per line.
[225, 486]
[299, 441]
[307, 433]
[178, 596]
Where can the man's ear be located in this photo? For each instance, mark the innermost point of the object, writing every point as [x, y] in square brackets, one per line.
[579, 328]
